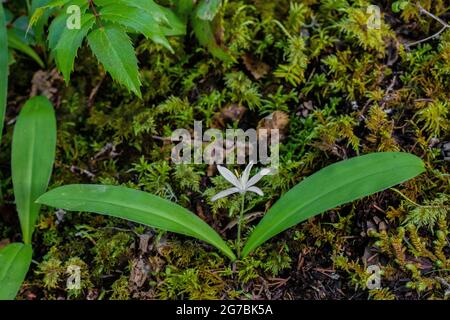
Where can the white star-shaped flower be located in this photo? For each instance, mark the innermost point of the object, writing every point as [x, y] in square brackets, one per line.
[242, 184]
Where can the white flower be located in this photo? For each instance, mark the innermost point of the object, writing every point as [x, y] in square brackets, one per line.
[242, 184]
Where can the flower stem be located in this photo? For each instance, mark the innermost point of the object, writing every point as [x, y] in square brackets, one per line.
[241, 217]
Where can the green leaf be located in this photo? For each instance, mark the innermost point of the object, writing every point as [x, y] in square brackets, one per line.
[207, 9]
[166, 18]
[4, 62]
[333, 186]
[33, 153]
[58, 24]
[112, 47]
[14, 42]
[134, 205]
[135, 20]
[69, 42]
[184, 9]
[15, 260]
[40, 20]
[204, 32]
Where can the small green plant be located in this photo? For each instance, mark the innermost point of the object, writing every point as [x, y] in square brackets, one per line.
[33, 153]
[332, 186]
[106, 25]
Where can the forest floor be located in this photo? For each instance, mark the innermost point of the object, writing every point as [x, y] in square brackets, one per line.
[334, 89]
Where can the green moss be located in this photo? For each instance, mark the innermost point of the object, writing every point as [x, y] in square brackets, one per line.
[346, 89]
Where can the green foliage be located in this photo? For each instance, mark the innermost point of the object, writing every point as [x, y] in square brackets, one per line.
[106, 28]
[70, 40]
[136, 206]
[428, 214]
[15, 259]
[333, 186]
[435, 117]
[16, 43]
[114, 50]
[32, 160]
[398, 6]
[3, 68]
[207, 10]
[365, 175]
[351, 100]
[204, 32]
[242, 90]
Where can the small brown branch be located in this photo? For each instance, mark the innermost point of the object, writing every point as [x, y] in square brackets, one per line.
[94, 93]
[444, 24]
[94, 11]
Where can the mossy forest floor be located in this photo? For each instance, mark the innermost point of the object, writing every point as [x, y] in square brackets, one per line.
[337, 88]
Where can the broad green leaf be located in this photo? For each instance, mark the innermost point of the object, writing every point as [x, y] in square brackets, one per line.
[136, 206]
[33, 153]
[207, 9]
[14, 42]
[4, 62]
[112, 47]
[15, 260]
[69, 42]
[135, 20]
[337, 184]
[167, 20]
[204, 32]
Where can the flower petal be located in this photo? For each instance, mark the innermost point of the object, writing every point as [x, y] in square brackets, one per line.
[246, 174]
[229, 176]
[258, 176]
[256, 190]
[224, 194]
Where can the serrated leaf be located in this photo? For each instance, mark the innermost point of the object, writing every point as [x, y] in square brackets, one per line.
[33, 153]
[136, 206]
[207, 9]
[113, 49]
[135, 20]
[14, 42]
[15, 260]
[337, 184]
[38, 10]
[59, 23]
[69, 43]
[168, 21]
[4, 63]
